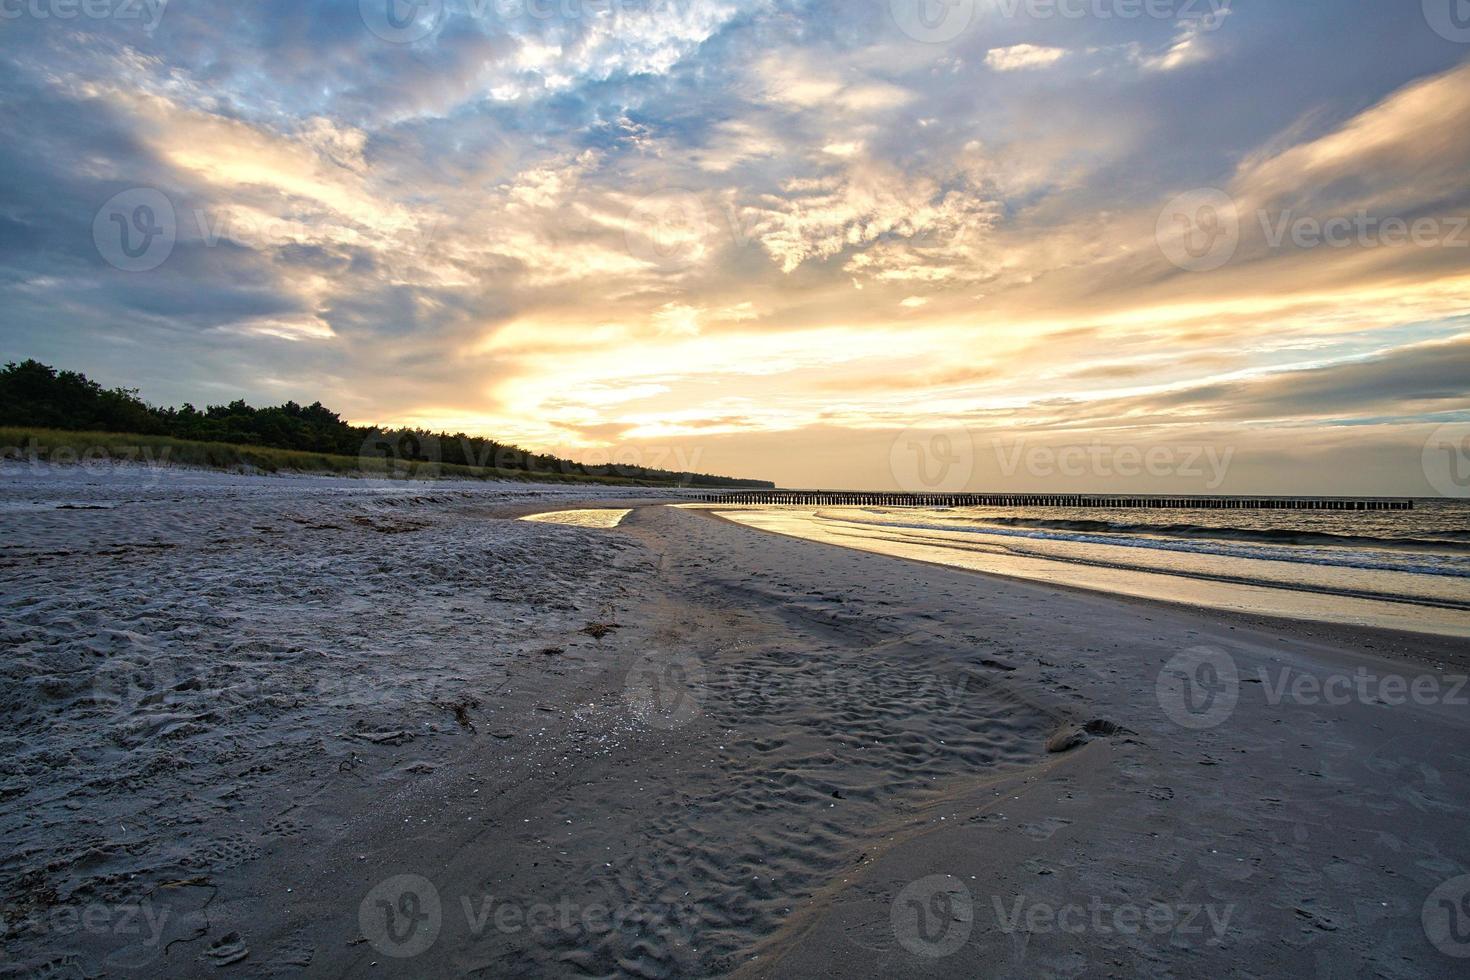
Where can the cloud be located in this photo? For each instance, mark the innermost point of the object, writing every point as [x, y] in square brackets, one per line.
[1190, 46]
[1420, 378]
[1409, 150]
[1022, 56]
[727, 220]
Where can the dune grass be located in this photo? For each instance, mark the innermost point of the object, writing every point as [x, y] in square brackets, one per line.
[60, 446]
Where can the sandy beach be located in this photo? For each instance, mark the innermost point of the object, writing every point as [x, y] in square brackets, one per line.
[331, 727]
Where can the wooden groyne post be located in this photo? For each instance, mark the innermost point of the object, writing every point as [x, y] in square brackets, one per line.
[843, 498]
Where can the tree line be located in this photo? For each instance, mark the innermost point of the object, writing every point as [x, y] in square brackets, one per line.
[36, 395]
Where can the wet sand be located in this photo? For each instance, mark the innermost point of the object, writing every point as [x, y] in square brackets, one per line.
[407, 735]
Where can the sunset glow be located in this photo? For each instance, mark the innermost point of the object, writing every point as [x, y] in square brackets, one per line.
[772, 235]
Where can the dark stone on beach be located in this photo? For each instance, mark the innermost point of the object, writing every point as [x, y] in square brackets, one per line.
[1066, 740]
[386, 738]
[1318, 920]
[1070, 738]
[226, 950]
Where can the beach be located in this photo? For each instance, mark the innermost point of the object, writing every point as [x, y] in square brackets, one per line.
[334, 727]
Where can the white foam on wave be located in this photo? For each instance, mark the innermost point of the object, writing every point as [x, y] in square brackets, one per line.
[1387, 560]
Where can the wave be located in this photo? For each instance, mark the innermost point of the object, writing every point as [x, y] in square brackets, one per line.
[1456, 541]
[1230, 545]
[1441, 602]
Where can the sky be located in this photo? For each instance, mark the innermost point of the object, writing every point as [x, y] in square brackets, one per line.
[1048, 245]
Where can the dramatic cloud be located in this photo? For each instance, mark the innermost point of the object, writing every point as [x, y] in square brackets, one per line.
[773, 232]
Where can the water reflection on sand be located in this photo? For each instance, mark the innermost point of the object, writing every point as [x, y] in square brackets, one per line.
[600, 518]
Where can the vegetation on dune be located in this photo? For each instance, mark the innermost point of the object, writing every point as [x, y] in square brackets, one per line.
[65, 446]
[51, 414]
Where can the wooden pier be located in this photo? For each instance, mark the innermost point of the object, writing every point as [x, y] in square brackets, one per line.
[839, 498]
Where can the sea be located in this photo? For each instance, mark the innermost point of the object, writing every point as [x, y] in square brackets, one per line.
[1406, 569]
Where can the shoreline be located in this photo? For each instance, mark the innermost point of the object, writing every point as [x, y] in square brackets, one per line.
[1429, 649]
[1224, 593]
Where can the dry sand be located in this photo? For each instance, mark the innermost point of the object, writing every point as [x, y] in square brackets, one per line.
[267, 727]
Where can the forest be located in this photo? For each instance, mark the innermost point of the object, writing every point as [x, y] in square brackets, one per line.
[36, 395]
